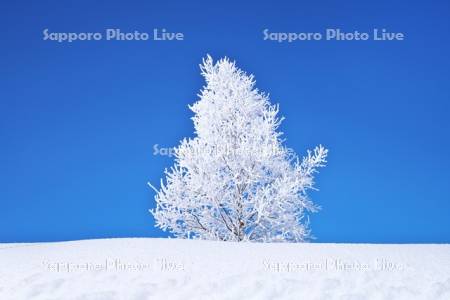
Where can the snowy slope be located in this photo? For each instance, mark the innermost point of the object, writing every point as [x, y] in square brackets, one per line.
[187, 269]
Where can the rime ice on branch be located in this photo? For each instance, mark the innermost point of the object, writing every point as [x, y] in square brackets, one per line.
[235, 180]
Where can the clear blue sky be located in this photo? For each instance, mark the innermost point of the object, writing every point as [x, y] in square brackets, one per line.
[78, 121]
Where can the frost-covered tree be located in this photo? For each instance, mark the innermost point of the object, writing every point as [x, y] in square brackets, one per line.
[235, 180]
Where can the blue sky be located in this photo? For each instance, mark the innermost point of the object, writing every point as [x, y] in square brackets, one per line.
[78, 121]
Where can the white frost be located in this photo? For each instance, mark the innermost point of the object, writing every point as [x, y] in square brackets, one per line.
[236, 181]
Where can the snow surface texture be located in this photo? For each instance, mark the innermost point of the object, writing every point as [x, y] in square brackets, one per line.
[188, 269]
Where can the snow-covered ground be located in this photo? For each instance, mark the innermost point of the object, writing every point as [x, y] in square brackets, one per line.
[186, 269]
